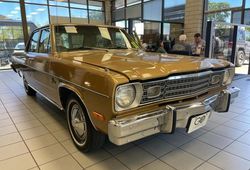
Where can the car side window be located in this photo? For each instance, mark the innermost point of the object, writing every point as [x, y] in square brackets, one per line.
[34, 42]
[44, 44]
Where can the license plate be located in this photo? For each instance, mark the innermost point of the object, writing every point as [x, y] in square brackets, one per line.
[197, 122]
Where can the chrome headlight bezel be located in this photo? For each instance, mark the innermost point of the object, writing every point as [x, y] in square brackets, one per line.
[135, 101]
[228, 76]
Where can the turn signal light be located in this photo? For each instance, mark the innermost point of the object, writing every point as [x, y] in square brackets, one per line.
[98, 116]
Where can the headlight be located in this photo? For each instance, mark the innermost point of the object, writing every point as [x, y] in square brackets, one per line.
[228, 76]
[125, 96]
[128, 96]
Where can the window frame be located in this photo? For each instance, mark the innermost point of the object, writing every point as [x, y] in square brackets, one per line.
[39, 38]
[41, 31]
[29, 44]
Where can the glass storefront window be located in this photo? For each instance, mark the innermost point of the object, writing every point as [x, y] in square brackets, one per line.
[152, 32]
[118, 14]
[166, 31]
[36, 1]
[10, 11]
[119, 4]
[96, 5]
[247, 17]
[220, 16]
[121, 24]
[37, 14]
[59, 15]
[223, 4]
[59, 3]
[133, 11]
[11, 31]
[11, 0]
[236, 17]
[156, 6]
[96, 17]
[78, 4]
[247, 4]
[133, 2]
[174, 11]
[223, 42]
[173, 3]
[79, 16]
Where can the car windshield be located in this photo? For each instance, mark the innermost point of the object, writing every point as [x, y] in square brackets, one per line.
[73, 38]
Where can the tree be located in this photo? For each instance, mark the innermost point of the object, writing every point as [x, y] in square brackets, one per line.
[218, 16]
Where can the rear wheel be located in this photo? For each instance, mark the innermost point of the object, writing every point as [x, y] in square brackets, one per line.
[240, 59]
[85, 137]
[28, 89]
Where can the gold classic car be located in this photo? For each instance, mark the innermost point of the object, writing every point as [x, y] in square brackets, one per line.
[108, 86]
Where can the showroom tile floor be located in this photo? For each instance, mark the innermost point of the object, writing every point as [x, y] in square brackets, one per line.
[33, 135]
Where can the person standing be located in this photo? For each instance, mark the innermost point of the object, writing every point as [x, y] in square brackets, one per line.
[182, 45]
[160, 47]
[199, 45]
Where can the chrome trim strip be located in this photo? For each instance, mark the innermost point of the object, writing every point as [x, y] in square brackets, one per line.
[68, 82]
[190, 75]
[51, 101]
[191, 83]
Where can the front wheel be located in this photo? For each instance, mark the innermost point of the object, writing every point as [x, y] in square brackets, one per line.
[84, 136]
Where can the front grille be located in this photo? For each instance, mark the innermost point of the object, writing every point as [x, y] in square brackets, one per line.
[182, 85]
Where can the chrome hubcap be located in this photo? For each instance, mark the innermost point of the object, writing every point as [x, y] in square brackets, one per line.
[78, 122]
[241, 58]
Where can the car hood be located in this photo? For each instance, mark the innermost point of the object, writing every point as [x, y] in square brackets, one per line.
[140, 65]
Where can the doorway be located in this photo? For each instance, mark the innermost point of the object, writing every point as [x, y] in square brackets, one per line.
[229, 42]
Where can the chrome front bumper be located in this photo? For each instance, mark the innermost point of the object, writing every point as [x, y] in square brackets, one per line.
[125, 130]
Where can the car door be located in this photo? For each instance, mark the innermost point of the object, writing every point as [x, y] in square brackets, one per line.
[48, 81]
[39, 61]
[30, 55]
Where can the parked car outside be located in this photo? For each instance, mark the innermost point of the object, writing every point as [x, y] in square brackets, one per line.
[4, 55]
[108, 86]
[242, 47]
[19, 47]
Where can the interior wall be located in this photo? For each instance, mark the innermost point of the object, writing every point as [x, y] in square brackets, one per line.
[193, 18]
